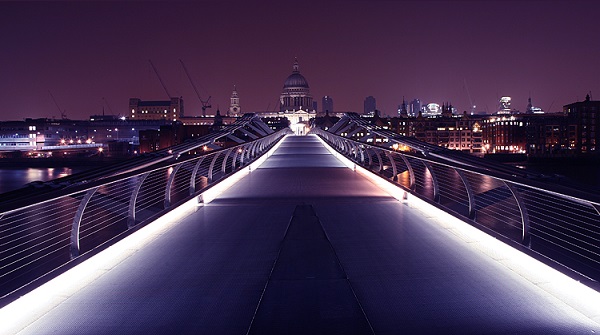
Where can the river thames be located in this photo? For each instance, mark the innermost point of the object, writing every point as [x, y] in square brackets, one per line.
[582, 176]
[15, 178]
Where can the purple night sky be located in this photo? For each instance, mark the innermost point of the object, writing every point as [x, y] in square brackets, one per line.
[83, 52]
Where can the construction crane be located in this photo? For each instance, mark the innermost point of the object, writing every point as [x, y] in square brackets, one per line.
[110, 109]
[159, 78]
[472, 106]
[205, 103]
[63, 115]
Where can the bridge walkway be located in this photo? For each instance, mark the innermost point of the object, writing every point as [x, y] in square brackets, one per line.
[304, 245]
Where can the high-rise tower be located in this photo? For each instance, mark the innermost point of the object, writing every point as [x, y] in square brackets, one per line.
[414, 108]
[327, 104]
[370, 105]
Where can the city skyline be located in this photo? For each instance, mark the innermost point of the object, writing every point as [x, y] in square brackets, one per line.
[85, 58]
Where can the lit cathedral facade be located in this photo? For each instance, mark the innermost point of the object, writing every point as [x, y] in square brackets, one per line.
[295, 101]
[296, 93]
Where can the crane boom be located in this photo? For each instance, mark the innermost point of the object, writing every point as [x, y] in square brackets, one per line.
[110, 109]
[205, 103]
[56, 103]
[159, 78]
[472, 106]
[62, 114]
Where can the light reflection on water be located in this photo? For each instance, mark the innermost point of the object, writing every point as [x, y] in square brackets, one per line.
[12, 179]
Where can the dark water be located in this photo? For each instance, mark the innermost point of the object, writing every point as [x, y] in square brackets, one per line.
[12, 179]
[585, 176]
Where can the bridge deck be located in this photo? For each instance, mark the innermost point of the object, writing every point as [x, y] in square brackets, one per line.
[304, 245]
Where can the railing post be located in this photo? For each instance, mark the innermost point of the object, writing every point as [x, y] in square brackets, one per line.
[193, 176]
[169, 184]
[133, 200]
[342, 147]
[253, 149]
[234, 159]
[525, 238]
[212, 165]
[243, 155]
[77, 222]
[394, 170]
[370, 158]
[362, 154]
[597, 208]
[347, 150]
[470, 194]
[224, 165]
[434, 181]
[248, 150]
[411, 173]
[262, 146]
[338, 143]
[379, 159]
[354, 150]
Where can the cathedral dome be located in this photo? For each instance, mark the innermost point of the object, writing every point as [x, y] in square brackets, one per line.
[295, 80]
[296, 93]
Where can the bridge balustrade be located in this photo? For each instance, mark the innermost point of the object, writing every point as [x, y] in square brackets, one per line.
[558, 223]
[39, 237]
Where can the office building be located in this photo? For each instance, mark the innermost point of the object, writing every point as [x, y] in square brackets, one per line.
[327, 104]
[370, 105]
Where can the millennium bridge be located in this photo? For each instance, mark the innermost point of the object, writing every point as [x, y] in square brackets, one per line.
[349, 230]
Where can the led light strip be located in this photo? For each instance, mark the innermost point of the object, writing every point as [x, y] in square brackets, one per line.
[578, 296]
[210, 194]
[44, 298]
[17, 315]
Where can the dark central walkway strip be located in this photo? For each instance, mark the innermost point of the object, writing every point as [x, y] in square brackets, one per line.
[308, 291]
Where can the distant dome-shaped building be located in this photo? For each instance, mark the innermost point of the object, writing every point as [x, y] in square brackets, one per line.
[296, 92]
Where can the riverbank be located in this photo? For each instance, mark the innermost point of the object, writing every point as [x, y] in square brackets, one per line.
[70, 162]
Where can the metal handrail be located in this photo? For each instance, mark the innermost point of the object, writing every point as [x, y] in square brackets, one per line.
[245, 125]
[49, 231]
[559, 223]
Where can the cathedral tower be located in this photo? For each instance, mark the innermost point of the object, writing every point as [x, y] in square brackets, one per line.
[234, 106]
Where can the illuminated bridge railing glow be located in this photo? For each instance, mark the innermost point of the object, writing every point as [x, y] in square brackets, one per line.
[558, 225]
[39, 237]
